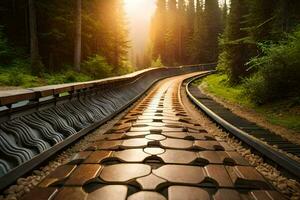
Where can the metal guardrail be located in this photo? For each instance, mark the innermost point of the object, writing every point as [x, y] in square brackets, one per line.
[36, 123]
[288, 164]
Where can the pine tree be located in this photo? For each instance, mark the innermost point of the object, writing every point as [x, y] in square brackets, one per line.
[182, 32]
[77, 46]
[171, 33]
[213, 28]
[236, 50]
[36, 63]
[198, 51]
[158, 26]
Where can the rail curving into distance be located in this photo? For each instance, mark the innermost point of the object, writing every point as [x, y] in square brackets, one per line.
[292, 167]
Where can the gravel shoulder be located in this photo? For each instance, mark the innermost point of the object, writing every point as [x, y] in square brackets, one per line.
[287, 186]
[253, 116]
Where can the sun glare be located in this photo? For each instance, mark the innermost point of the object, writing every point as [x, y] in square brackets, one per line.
[139, 13]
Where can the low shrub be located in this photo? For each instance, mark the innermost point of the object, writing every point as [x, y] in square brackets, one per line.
[278, 72]
[97, 67]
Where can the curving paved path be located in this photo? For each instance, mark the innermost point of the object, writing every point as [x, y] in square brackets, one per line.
[156, 152]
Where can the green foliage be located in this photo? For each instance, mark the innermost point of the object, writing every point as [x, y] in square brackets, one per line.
[157, 62]
[284, 112]
[278, 74]
[97, 67]
[6, 52]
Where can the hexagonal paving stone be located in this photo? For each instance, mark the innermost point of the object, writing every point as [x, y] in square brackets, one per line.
[247, 177]
[219, 174]
[79, 157]
[111, 192]
[181, 174]
[178, 135]
[146, 196]
[266, 195]
[40, 194]
[97, 157]
[83, 174]
[74, 193]
[208, 145]
[155, 137]
[178, 156]
[176, 143]
[137, 134]
[150, 182]
[131, 155]
[124, 172]
[187, 193]
[135, 143]
[58, 176]
[201, 136]
[154, 150]
[225, 194]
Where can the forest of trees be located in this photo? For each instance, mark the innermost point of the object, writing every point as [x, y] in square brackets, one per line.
[255, 42]
[53, 36]
[260, 48]
[186, 32]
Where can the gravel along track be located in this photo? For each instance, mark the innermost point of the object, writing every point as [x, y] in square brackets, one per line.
[161, 149]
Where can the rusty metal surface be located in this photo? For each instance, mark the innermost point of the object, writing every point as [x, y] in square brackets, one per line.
[156, 152]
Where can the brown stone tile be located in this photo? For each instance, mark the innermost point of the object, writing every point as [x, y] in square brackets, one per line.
[266, 195]
[148, 128]
[178, 135]
[58, 176]
[97, 157]
[135, 143]
[155, 137]
[181, 174]
[236, 158]
[131, 155]
[176, 143]
[154, 150]
[178, 156]
[247, 177]
[201, 136]
[227, 194]
[83, 174]
[137, 134]
[211, 156]
[150, 182]
[146, 195]
[40, 194]
[219, 174]
[74, 193]
[207, 145]
[79, 157]
[187, 193]
[226, 146]
[109, 192]
[124, 172]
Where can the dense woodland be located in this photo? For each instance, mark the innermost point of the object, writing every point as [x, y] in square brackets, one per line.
[255, 42]
[43, 37]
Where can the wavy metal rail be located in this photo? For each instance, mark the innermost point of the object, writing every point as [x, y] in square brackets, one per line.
[38, 122]
[280, 159]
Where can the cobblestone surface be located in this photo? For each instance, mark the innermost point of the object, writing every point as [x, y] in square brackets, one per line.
[157, 152]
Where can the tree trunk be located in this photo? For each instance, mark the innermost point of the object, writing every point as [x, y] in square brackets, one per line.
[77, 50]
[34, 47]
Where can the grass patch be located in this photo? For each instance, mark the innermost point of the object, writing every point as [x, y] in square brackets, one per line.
[285, 113]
